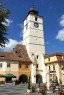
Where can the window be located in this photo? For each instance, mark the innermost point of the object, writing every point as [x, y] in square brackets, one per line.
[48, 59]
[37, 56]
[19, 65]
[2, 56]
[0, 65]
[8, 65]
[26, 66]
[26, 26]
[16, 52]
[37, 66]
[19, 56]
[35, 18]
[53, 67]
[36, 38]
[49, 68]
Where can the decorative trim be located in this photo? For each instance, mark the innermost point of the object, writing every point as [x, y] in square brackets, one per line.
[24, 71]
[32, 28]
[32, 21]
[39, 70]
[33, 36]
[35, 44]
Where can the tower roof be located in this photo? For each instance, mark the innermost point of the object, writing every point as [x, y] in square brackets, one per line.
[33, 11]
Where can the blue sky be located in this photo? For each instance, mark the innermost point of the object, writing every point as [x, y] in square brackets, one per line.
[53, 16]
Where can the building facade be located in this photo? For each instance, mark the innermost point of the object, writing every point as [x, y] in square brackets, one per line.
[16, 63]
[27, 59]
[54, 67]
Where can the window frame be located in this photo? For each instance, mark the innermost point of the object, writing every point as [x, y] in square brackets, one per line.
[37, 66]
[37, 56]
[49, 68]
[0, 65]
[49, 59]
[53, 67]
[26, 66]
[8, 65]
[19, 65]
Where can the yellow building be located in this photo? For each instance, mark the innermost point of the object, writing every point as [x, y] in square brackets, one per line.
[54, 67]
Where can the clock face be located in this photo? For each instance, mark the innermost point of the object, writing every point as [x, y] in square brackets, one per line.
[36, 24]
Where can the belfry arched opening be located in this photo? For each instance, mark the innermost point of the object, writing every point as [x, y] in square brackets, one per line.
[23, 79]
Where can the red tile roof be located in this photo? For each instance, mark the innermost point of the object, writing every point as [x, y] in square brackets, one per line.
[58, 55]
[19, 54]
[54, 54]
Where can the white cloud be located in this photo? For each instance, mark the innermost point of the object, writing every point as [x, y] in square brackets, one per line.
[62, 20]
[47, 43]
[9, 21]
[21, 25]
[10, 45]
[22, 29]
[60, 35]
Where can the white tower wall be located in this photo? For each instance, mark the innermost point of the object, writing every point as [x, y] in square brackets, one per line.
[33, 38]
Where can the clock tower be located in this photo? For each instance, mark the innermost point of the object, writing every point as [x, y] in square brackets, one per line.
[33, 38]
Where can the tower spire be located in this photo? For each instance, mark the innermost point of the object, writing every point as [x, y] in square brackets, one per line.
[32, 3]
[33, 10]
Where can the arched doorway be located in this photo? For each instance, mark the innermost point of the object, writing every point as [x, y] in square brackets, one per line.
[38, 78]
[8, 79]
[23, 78]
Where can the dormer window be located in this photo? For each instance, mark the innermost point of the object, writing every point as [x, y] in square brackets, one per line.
[19, 56]
[2, 56]
[15, 51]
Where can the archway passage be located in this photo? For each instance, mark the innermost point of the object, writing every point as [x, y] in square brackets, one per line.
[23, 78]
[8, 79]
[38, 78]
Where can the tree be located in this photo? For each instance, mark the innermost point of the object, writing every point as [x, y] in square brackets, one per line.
[29, 86]
[3, 22]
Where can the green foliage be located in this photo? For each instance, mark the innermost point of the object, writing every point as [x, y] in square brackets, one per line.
[29, 86]
[33, 88]
[3, 27]
[56, 81]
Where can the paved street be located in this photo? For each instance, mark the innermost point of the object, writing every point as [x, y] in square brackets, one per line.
[12, 89]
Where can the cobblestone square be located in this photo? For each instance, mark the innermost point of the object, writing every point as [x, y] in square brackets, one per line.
[21, 89]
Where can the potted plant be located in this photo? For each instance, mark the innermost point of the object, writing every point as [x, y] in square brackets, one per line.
[43, 89]
[33, 88]
[60, 91]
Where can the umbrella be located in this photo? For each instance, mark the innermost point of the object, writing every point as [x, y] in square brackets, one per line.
[10, 75]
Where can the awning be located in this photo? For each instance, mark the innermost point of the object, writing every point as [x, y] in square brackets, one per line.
[10, 75]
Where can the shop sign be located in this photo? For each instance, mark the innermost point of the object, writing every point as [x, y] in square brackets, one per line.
[52, 71]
